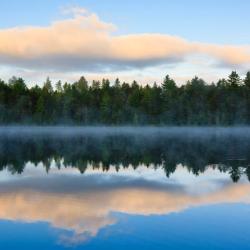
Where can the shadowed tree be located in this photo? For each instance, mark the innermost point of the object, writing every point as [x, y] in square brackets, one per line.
[234, 79]
[247, 80]
[196, 103]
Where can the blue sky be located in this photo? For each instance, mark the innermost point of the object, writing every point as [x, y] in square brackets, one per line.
[224, 21]
[208, 22]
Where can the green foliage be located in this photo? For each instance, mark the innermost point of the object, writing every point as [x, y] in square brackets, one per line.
[196, 103]
[234, 79]
[47, 87]
[247, 80]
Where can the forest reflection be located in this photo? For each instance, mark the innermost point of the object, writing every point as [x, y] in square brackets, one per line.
[229, 153]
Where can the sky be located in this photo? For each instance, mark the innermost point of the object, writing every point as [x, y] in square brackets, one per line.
[133, 40]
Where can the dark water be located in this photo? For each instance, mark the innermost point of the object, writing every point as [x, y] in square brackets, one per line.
[124, 188]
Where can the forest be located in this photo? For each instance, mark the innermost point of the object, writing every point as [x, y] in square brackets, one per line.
[224, 103]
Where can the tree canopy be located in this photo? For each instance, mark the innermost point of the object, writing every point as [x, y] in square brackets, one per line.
[226, 102]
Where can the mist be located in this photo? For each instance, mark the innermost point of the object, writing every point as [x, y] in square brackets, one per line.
[145, 131]
[195, 148]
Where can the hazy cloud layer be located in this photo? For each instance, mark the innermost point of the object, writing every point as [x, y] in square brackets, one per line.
[86, 43]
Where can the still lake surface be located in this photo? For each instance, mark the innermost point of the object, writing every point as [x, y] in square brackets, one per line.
[124, 188]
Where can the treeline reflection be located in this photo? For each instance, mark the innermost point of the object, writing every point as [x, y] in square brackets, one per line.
[228, 154]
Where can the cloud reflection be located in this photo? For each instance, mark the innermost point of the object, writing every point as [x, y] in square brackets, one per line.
[84, 204]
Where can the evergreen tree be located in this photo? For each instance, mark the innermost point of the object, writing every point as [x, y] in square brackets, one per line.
[225, 103]
[234, 79]
[47, 86]
[247, 80]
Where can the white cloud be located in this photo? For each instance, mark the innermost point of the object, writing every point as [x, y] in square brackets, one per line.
[86, 43]
[75, 10]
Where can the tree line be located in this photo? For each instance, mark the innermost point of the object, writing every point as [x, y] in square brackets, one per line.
[226, 102]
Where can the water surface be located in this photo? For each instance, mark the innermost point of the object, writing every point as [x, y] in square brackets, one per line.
[121, 188]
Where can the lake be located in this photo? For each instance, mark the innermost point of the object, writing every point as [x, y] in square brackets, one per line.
[124, 188]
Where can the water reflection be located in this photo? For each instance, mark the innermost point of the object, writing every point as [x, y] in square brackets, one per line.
[226, 150]
[84, 204]
[89, 178]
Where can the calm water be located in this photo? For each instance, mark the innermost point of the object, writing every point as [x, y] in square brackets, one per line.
[124, 188]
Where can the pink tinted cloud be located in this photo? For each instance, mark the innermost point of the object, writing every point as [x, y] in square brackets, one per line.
[87, 43]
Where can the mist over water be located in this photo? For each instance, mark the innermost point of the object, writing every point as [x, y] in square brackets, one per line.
[124, 130]
[196, 149]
